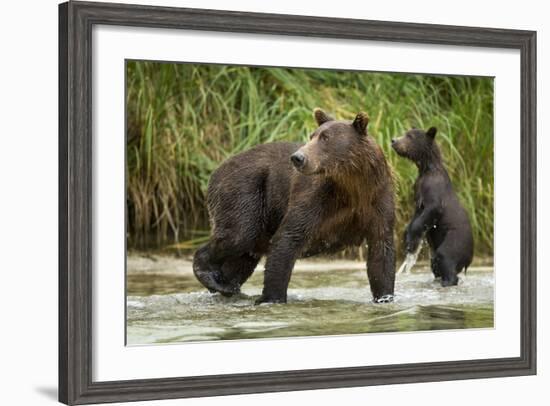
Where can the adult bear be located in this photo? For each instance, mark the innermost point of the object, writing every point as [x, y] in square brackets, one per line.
[291, 200]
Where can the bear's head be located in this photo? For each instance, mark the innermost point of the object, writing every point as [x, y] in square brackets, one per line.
[416, 145]
[333, 146]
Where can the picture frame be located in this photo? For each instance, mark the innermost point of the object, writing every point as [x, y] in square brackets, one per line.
[76, 20]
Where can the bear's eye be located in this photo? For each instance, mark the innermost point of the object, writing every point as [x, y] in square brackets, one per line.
[323, 137]
[409, 135]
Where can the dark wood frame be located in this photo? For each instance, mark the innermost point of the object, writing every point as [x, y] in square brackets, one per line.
[76, 20]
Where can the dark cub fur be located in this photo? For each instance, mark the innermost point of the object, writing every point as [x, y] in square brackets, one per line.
[438, 211]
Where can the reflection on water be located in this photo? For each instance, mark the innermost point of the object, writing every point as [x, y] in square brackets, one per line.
[166, 304]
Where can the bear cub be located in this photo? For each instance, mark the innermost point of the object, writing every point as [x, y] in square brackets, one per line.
[287, 201]
[438, 212]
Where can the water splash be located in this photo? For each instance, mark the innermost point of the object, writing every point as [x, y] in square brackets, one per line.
[410, 260]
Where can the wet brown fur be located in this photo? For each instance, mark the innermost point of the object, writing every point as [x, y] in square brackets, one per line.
[260, 204]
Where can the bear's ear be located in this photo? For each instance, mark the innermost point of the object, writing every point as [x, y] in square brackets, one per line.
[321, 117]
[360, 123]
[431, 132]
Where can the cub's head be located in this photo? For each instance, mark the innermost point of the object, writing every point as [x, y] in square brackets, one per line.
[416, 145]
[332, 146]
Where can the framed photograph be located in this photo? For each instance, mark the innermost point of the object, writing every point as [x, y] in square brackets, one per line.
[258, 202]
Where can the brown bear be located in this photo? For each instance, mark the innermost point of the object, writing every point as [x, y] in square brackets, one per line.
[290, 201]
[438, 212]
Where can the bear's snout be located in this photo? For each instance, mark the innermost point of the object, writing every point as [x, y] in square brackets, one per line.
[298, 159]
[394, 143]
[397, 146]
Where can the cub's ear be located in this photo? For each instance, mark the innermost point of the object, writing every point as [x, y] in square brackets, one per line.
[360, 123]
[321, 117]
[431, 132]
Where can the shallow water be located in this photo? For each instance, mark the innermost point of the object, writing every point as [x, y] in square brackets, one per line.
[165, 304]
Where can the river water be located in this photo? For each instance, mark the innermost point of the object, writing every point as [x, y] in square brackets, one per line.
[165, 304]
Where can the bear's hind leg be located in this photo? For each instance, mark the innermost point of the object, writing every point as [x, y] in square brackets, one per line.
[209, 271]
[445, 267]
[435, 267]
[237, 269]
[433, 256]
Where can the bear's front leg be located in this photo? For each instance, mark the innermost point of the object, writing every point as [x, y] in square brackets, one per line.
[421, 222]
[278, 269]
[381, 267]
[286, 247]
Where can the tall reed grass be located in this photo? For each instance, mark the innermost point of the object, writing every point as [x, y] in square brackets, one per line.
[183, 120]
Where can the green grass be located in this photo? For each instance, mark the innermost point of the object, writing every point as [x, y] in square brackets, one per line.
[183, 120]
